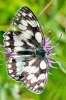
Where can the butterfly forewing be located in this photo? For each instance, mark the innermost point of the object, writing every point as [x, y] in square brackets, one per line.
[24, 28]
[28, 24]
[23, 39]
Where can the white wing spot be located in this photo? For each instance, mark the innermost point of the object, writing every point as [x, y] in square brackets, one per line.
[22, 27]
[19, 73]
[30, 76]
[25, 81]
[41, 77]
[9, 65]
[19, 69]
[7, 43]
[24, 22]
[24, 14]
[18, 14]
[29, 32]
[28, 85]
[31, 88]
[26, 35]
[12, 75]
[38, 37]
[31, 61]
[43, 65]
[42, 84]
[30, 44]
[36, 87]
[18, 43]
[19, 63]
[27, 68]
[46, 75]
[7, 37]
[36, 70]
[18, 49]
[10, 71]
[17, 38]
[33, 23]
[33, 80]
[30, 14]
[32, 68]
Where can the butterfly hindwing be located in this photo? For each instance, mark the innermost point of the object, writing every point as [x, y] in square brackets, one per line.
[35, 74]
[30, 72]
[15, 67]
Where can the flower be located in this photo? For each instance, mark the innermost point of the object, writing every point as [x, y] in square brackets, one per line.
[49, 49]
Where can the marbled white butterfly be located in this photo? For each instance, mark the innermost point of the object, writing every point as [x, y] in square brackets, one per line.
[28, 51]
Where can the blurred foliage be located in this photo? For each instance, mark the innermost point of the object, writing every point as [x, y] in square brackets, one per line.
[54, 20]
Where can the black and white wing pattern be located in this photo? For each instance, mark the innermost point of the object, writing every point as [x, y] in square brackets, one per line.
[35, 75]
[26, 61]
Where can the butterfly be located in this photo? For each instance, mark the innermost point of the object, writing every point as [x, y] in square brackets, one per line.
[28, 51]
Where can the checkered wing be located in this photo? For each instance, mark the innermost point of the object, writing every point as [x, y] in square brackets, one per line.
[35, 74]
[32, 72]
[24, 32]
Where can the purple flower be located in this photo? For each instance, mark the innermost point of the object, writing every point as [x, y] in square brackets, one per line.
[49, 48]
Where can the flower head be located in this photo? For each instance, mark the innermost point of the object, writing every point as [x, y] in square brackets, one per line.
[49, 48]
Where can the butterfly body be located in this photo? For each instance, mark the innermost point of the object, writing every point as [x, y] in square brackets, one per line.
[40, 52]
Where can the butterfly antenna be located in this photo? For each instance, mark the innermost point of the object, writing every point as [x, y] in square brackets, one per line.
[47, 39]
[56, 42]
[47, 32]
[51, 37]
[59, 38]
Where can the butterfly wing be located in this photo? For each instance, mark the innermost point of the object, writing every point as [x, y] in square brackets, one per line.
[24, 32]
[32, 72]
[15, 67]
[35, 74]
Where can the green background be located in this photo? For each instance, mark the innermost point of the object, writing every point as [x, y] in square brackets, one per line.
[53, 19]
